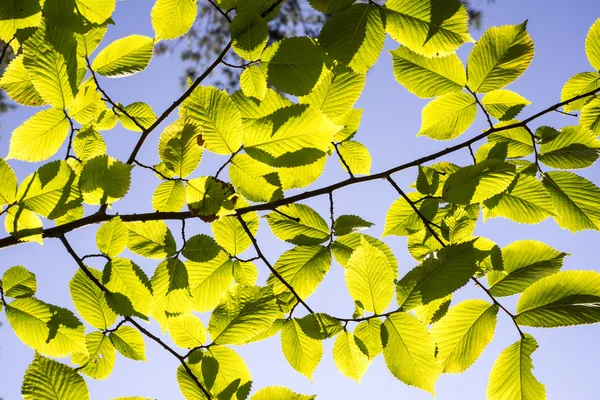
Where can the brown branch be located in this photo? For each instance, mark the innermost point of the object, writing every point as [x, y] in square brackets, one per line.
[344, 163]
[487, 115]
[228, 161]
[70, 143]
[268, 264]
[511, 315]
[163, 176]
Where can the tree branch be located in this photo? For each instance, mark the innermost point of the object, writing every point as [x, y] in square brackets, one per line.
[344, 163]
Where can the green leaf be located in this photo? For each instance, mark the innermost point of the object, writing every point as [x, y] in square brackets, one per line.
[124, 57]
[170, 291]
[8, 184]
[252, 109]
[112, 237]
[217, 117]
[253, 82]
[437, 277]
[225, 374]
[434, 311]
[100, 361]
[429, 28]
[329, 7]
[347, 224]
[23, 225]
[350, 120]
[501, 55]
[244, 313]
[88, 143]
[562, 299]
[201, 248]
[255, 180]
[301, 176]
[293, 65]
[576, 200]
[18, 14]
[88, 103]
[577, 85]
[40, 137]
[369, 333]
[173, 18]
[303, 267]
[518, 140]
[428, 77]
[463, 333]
[356, 156]
[309, 228]
[46, 379]
[50, 330]
[280, 392]
[335, 94]
[448, 116]
[18, 84]
[402, 220]
[18, 282]
[152, 239]
[88, 42]
[209, 198]
[230, 234]
[320, 326]
[187, 385]
[249, 35]
[187, 330]
[476, 183]
[343, 247]
[140, 112]
[96, 11]
[123, 277]
[349, 356]
[526, 201]
[209, 280]
[104, 180]
[570, 148]
[169, 196]
[50, 191]
[408, 349]
[370, 278]
[592, 45]
[302, 352]
[511, 377]
[504, 104]
[525, 262]
[179, 148]
[89, 300]
[590, 116]
[245, 273]
[50, 59]
[129, 342]
[354, 36]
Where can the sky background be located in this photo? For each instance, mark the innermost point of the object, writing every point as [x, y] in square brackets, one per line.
[566, 361]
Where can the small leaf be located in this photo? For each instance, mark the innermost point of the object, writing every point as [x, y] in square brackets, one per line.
[349, 356]
[124, 278]
[369, 332]
[201, 248]
[209, 280]
[18, 84]
[577, 85]
[249, 35]
[101, 359]
[448, 116]
[173, 18]
[253, 82]
[476, 183]
[504, 104]
[303, 267]
[570, 148]
[590, 116]
[124, 57]
[178, 148]
[152, 239]
[302, 352]
[89, 300]
[335, 94]
[169, 196]
[139, 112]
[592, 45]
[356, 156]
[23, 225]
[309, 228]
[104, 180]
[279, 393]
[8, 184]
[18, 282]
[402, 220]
[347, 224]
[112, 237]
[129, 342]
[187, 330]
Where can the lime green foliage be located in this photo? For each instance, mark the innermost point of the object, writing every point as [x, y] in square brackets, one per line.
[296, 110]
[511, 377]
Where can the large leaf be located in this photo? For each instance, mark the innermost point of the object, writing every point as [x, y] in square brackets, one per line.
[437, 277]
[50, 330]
[576, 200]
[463, 333]
[511, 377]
[590, 116]
[173, 18]
[370, 278]
[170, 291]
[46, 379]
[354, 36]
[112, 237]
[152, 239]
[201, 248]
[40, 137]
[476, 183]
[501, 55]
[18, 14]
[525, 262]
[209, 280]
[504, 104]
[253, 82]
[592, 45]
[142, 116]
[129, 287]
[428, 77]
[18, 84]
[124, 57]
[100, 361]
[244, 313]
[302, 352]
[303, 267]
[104, 180]
[525, 201]
[349, 356]
[565, 298]
[230, 234]
[448, 116]
[408, 349]
[8, 184]
[89, 300]
[217, 117]
[306, 228]
[356, 156]
[335, 94]
[50, 57]
[255, 180]
[293, 65]
[249, 34]
[187, 330]
[369, 333]
[169, 196]
[570, 148]
[225, 374]
[577, 85]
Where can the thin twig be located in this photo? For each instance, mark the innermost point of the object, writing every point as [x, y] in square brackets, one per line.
[220, 10]
[535, 149]
[472, 155]
[70, 142]
[344, 163]
[285, 215]
[511, 315]
[116, 328]
[95, 256]
[566, 113]
[268, 264]
[487, 115]
[332, 217]
[228, 161]
[6, 46]
[163, 176]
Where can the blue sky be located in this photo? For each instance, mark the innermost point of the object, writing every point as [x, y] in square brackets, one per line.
[565, 360]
